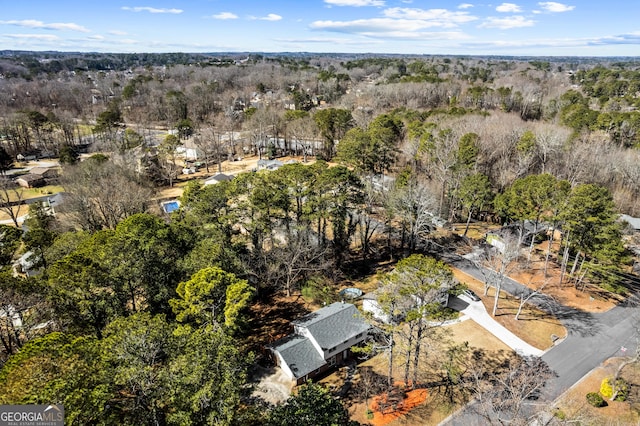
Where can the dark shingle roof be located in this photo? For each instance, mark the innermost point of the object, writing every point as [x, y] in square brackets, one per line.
[299, 354]
[334, 324]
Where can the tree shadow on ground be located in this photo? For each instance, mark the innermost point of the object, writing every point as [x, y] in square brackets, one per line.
[270, 319]
[574, 320]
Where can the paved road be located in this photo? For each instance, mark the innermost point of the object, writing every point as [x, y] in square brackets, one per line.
[601, 336]
[591, 337]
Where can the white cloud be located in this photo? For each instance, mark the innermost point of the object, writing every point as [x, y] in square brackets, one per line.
[269, 17]
[381, 27]
[562, 43]
[225, 15]
[509, 8]
[507, 23]
[388, 29]
[337, 41]
[44, 37]
[355, 3]
[552, 6]
[152, 9]
[435, 17]
[118, 32]
[465, 6]
[32, 23]
[272, 17]
[402, 23]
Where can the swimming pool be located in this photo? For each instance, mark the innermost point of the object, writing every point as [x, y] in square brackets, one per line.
[351, 293]
[170, 206]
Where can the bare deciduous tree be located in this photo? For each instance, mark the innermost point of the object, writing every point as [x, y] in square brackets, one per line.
[512, 396]
[297, 259]
[11, 198]
[414, 205]
[496, 263]
[99, 195]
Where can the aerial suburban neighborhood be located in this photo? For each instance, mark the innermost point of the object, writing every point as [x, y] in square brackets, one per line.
[244, 238]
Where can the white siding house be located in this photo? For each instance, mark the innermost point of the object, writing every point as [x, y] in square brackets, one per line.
[320, 340]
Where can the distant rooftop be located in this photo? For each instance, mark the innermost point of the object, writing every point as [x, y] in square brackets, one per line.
[634, 222]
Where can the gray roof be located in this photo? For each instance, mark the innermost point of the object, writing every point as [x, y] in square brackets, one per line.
[334, 324]
[219, 177]
[269, 164]
[299, 354]
[633, 221]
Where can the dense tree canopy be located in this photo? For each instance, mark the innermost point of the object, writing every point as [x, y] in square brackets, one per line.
[150, 309]
[311, 405]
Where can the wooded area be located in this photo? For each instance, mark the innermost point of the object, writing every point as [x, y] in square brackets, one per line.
[138, 316]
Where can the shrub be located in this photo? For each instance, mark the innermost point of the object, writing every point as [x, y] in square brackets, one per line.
[596, 400]
[623, 390]
[559, 414]
[606, 389]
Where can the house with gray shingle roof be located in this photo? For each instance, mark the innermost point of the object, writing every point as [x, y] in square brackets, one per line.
[217, 178]
[320, 340]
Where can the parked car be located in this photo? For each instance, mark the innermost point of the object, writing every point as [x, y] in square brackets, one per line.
[471, 295]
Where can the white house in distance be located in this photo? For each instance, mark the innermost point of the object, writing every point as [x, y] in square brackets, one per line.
[321, 340]
[217, 178]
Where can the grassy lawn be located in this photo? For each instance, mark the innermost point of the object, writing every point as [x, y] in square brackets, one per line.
[39, 192]
[575, 409]
[28, 193]
[437, 406]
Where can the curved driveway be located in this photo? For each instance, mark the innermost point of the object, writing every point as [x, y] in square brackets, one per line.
[478, 313]
[591, 337]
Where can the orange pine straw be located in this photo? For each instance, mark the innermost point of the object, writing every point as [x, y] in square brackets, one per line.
[395, 409]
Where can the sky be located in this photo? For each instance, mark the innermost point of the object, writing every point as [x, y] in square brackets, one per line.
[431, 27]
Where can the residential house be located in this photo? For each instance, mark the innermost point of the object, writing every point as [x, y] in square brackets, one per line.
[50, 203]
[30, 181]
[264, 164]
[217, 178]
[37, 176]
[45, 172]
[190, 151]
[25, 265]
[9, 312]
[320, 340]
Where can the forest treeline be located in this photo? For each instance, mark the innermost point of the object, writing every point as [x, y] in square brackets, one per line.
[159, 304]
[580, 116]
